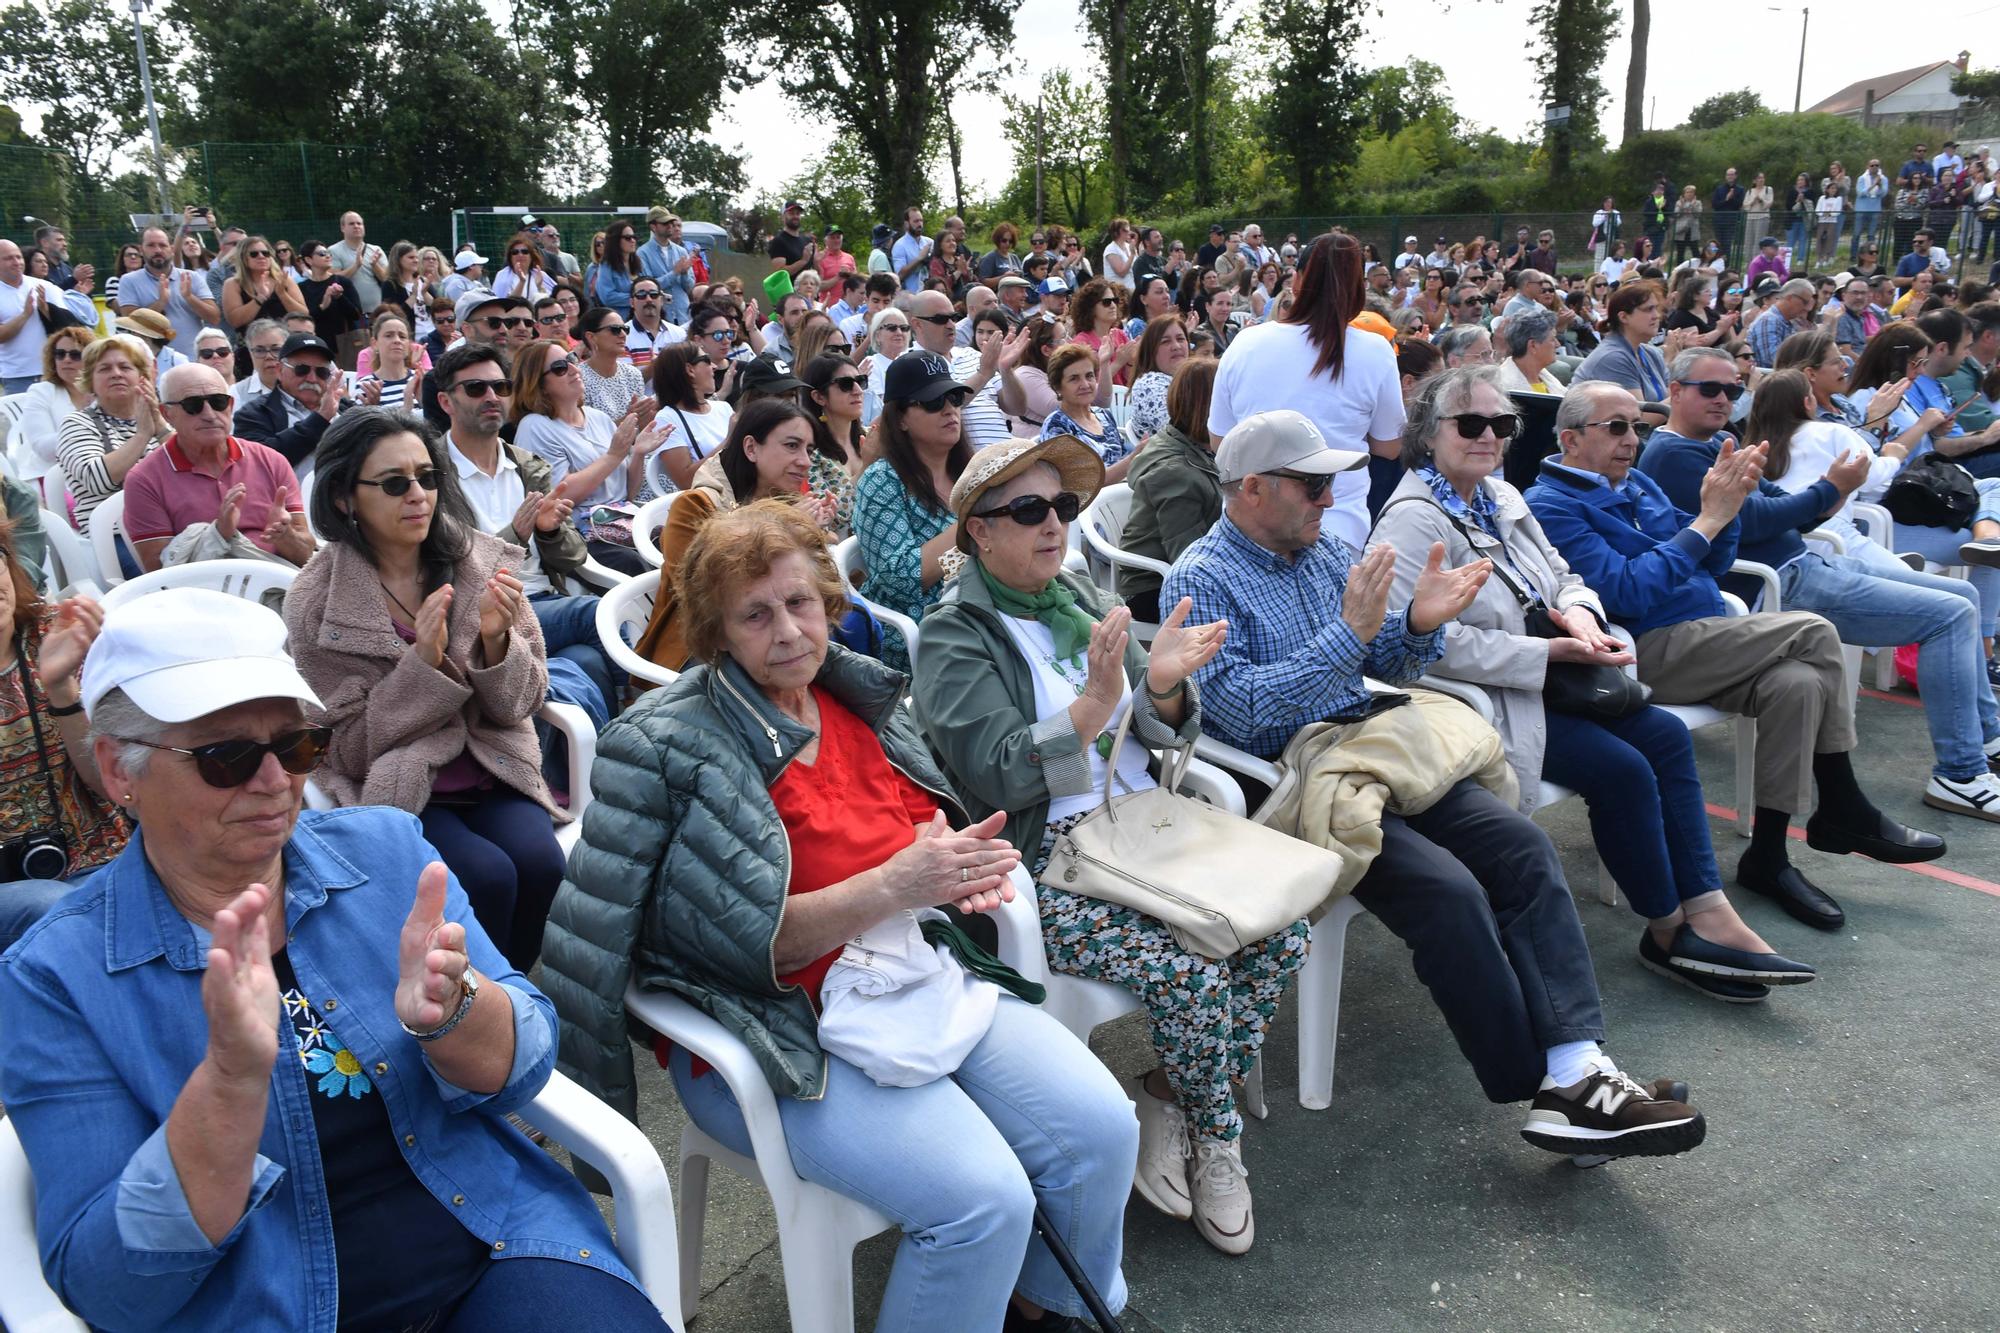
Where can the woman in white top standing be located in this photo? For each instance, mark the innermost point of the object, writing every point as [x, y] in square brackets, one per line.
[684, 383]
[1310, 359]
[1121, 247]
[524, 275]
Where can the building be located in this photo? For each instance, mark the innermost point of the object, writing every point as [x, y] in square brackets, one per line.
[1921, 95]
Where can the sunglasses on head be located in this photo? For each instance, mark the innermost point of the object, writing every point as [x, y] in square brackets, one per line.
[480, 388]
[949, 398]
[1030, 510]
[221, 402]
[398, 485]
[1315, 483]
[1472, 425]
[1711, 388]
[312, 372]
[228, 764]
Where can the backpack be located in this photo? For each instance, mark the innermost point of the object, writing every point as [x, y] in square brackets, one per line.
[1932, 492]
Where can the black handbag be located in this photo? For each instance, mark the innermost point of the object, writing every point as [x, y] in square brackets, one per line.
[1932, 492]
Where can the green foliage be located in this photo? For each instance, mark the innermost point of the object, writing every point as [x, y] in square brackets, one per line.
[1719, 110]
[1399, 95]
[1075, 157]
[1983, 84]
[1314, 106]
[833, 187]
[76, 61]
[1577, 34]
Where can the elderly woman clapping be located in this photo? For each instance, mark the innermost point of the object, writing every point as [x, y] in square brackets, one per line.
[1024, 672]
[795, 756]
[261, 1062]
[1636, 773]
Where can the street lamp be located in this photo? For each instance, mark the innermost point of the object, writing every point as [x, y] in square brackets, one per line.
[139, 8]
[1798, 88]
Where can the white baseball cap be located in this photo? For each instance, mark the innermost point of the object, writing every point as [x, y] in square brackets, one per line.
[467, 260]
[184, 653]
[1280, 441]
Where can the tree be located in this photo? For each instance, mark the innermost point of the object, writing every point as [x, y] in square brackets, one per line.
[321, 54]
[1635, 70]
[1725, 108]
[1314, 107]
[1397, 95]
[1074, 155]
[76, 61]
[1576, 33]
[882, 71]
[649, 72]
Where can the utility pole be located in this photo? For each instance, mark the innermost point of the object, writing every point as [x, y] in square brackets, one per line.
[152, 111]
[1038, 159]
[1798, 89]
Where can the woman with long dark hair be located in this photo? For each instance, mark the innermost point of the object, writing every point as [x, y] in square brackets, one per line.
[609, 281]
[1310, 359]
[833, 396]
[687, 377]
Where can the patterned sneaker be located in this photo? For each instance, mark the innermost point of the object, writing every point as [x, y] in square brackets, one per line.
[1222, 1196]
[1608, 1114]
[1162, 1174]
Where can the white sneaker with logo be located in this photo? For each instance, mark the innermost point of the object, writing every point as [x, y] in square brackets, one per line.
[1222, 1211]
[1978, 796]
[1162, 1174]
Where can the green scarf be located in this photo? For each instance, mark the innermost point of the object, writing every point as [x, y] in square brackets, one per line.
[1054, 606]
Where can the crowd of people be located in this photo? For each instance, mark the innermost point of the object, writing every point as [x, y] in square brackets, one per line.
[815, 817]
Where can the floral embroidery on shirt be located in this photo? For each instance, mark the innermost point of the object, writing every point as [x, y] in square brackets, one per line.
[322, 1053]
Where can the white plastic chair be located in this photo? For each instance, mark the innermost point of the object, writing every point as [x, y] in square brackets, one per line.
[600, 576]
[592, 1132]
[240, 578]
[107, 525]
[847, 557]
[70, 560]
[628, 607]
[817, 1228]
[651, 515]
[1103, 527]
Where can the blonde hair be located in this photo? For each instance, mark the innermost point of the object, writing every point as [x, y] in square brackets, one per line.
[84, 337]
[135, 351]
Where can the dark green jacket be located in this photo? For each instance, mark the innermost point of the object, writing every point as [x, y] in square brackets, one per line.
[976, 696]
[679, 880]
[1176, 497]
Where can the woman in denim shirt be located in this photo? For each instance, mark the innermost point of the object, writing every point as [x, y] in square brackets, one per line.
[261, 1062]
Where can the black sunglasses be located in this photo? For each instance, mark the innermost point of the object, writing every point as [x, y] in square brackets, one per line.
[562, 365]
[312, 372]
[519, 250]
[951, 397]
[480, 388]
[1619, 427]
[846, 383]
[1710, 388]
[552, 321]
[645, 296]
[67, 353]
[213, 354]
[221, 402]
[1315, 483]
[1030, 510]
[397, 486]
[228, 764]
[615, 330]
[1472, 425]
[495, 323]
[935, 319]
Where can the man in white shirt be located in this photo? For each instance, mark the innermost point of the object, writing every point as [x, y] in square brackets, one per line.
[1947, 160]
[1409, 255]
[976, 300]
[649, 329]
[355, 259]
[471, 274]
[24, 303]
[881, 288]
[178, 294]
[1437, 258]
[911, 255]
[1254, 249]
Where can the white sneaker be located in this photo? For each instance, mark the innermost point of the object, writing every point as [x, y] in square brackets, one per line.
[1162, 1174]
[1222, 1196]
[1977, 796]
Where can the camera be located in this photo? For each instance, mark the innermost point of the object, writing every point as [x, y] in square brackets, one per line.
[42, 854]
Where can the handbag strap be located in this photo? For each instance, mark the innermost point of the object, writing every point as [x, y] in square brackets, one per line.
[1173, 761]
[1529, 599]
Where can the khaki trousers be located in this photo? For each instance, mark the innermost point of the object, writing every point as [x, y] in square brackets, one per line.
[1784, 670]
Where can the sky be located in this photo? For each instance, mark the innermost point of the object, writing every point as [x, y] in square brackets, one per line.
[1483, 49]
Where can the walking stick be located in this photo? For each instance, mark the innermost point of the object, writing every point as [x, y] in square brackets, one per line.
[1074, 1271]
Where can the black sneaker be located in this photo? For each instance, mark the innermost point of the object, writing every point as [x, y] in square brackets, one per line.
[1050, 1322]
[1608, 1114]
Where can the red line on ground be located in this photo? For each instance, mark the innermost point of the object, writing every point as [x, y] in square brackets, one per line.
[1907, 700]
[1928, 869]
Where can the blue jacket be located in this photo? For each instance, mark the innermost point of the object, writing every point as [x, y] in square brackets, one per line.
[101, 1023]
[1770, 521]
[1632, 547]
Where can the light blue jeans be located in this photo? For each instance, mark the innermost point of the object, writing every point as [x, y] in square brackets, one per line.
[23, 902]
[1876, 601]
[960, 1163]
[1940, 545]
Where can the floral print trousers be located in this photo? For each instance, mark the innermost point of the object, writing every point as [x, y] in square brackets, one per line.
[1206, 1016]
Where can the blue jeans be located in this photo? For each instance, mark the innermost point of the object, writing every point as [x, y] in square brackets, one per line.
[1876, 601]
[1867, 227]
[17, 383]
[531, 1295]
[502, 846]
[959, 1164]
[569, 630]
[1647, 817]
[1940, 546]
[23, 902]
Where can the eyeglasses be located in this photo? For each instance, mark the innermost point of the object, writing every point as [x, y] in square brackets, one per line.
[208, 353]
[841, 349]
[519, 250]
[615, 330]
[193, 404]
[67, 353]
[894, 328]
[228, 764]
[480, 388]
[1711, 388]
[931, 319]
[1030, 510]
[495, 323]
[554, 321]
[562, 365]
[311, 372]
[949, 398]
[645, 296]
[272, 349]
[1315, 484]
[846, 383]
[397, 486]
[256, 254]
[1619, 427]
[1109, 300]
[1472, 425]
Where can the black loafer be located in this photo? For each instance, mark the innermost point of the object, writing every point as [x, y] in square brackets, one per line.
[1800, 897]
[1654, 959]
[1691, 953]
[1888, 842]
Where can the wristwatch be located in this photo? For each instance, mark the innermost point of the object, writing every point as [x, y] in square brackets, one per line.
[471, 984]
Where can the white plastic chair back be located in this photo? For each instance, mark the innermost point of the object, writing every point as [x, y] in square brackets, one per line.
[107, 525]
[651, 516]
[622, 611]
[847, 558]
[239, 578]
[26, 1303]
[70, 560]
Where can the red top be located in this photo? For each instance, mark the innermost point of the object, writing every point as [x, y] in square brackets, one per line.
[847, 811]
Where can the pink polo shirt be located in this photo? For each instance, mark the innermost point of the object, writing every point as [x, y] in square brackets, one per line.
[165, 493]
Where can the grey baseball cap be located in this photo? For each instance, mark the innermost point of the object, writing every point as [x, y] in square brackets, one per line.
[1280, 441]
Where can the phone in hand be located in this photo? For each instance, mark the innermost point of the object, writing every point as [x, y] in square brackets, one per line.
[1899, 362]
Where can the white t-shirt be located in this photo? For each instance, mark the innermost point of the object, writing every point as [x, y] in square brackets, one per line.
[1270, 365]
[984, 422]
[568, 449]
[1057, 686]
[495, 500]
[1613, 270]
[1112, 275]
[701, 433]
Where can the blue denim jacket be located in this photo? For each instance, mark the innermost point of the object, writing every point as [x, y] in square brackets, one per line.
[101, 1024]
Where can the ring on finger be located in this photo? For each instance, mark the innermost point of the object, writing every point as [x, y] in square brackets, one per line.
[965, 874]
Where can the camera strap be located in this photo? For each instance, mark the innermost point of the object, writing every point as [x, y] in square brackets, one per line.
[35, 724]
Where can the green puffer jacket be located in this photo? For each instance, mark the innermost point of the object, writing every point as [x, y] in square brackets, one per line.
[976, 695]
[679, 880]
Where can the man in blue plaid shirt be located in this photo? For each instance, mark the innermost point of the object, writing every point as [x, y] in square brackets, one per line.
[1470, 885]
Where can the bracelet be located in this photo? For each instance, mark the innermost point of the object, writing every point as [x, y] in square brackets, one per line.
[1180, 688]
[464, 1007]
[70, 710]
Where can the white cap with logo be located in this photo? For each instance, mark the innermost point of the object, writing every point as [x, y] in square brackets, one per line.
[183, 653]
[1280, 441]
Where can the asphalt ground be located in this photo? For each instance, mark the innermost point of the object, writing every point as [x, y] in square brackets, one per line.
[1850, 1180]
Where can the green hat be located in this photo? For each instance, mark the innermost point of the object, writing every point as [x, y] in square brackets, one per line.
[777, 286]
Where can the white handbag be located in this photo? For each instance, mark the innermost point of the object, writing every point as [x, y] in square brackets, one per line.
[1218, 881]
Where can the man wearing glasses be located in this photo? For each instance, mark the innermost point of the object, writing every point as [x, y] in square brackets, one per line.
[265, 340]
[669, 263]
[204, 474]
[934, 328]
[292, 417]
[1657, 569]
[649, 330]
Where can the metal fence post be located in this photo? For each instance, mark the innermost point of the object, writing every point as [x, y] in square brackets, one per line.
[305, 173]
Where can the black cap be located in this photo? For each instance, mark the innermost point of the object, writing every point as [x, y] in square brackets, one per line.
[768, 374]
[918, 377]
[305, 342]
[882, 232]
[1215, 229]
